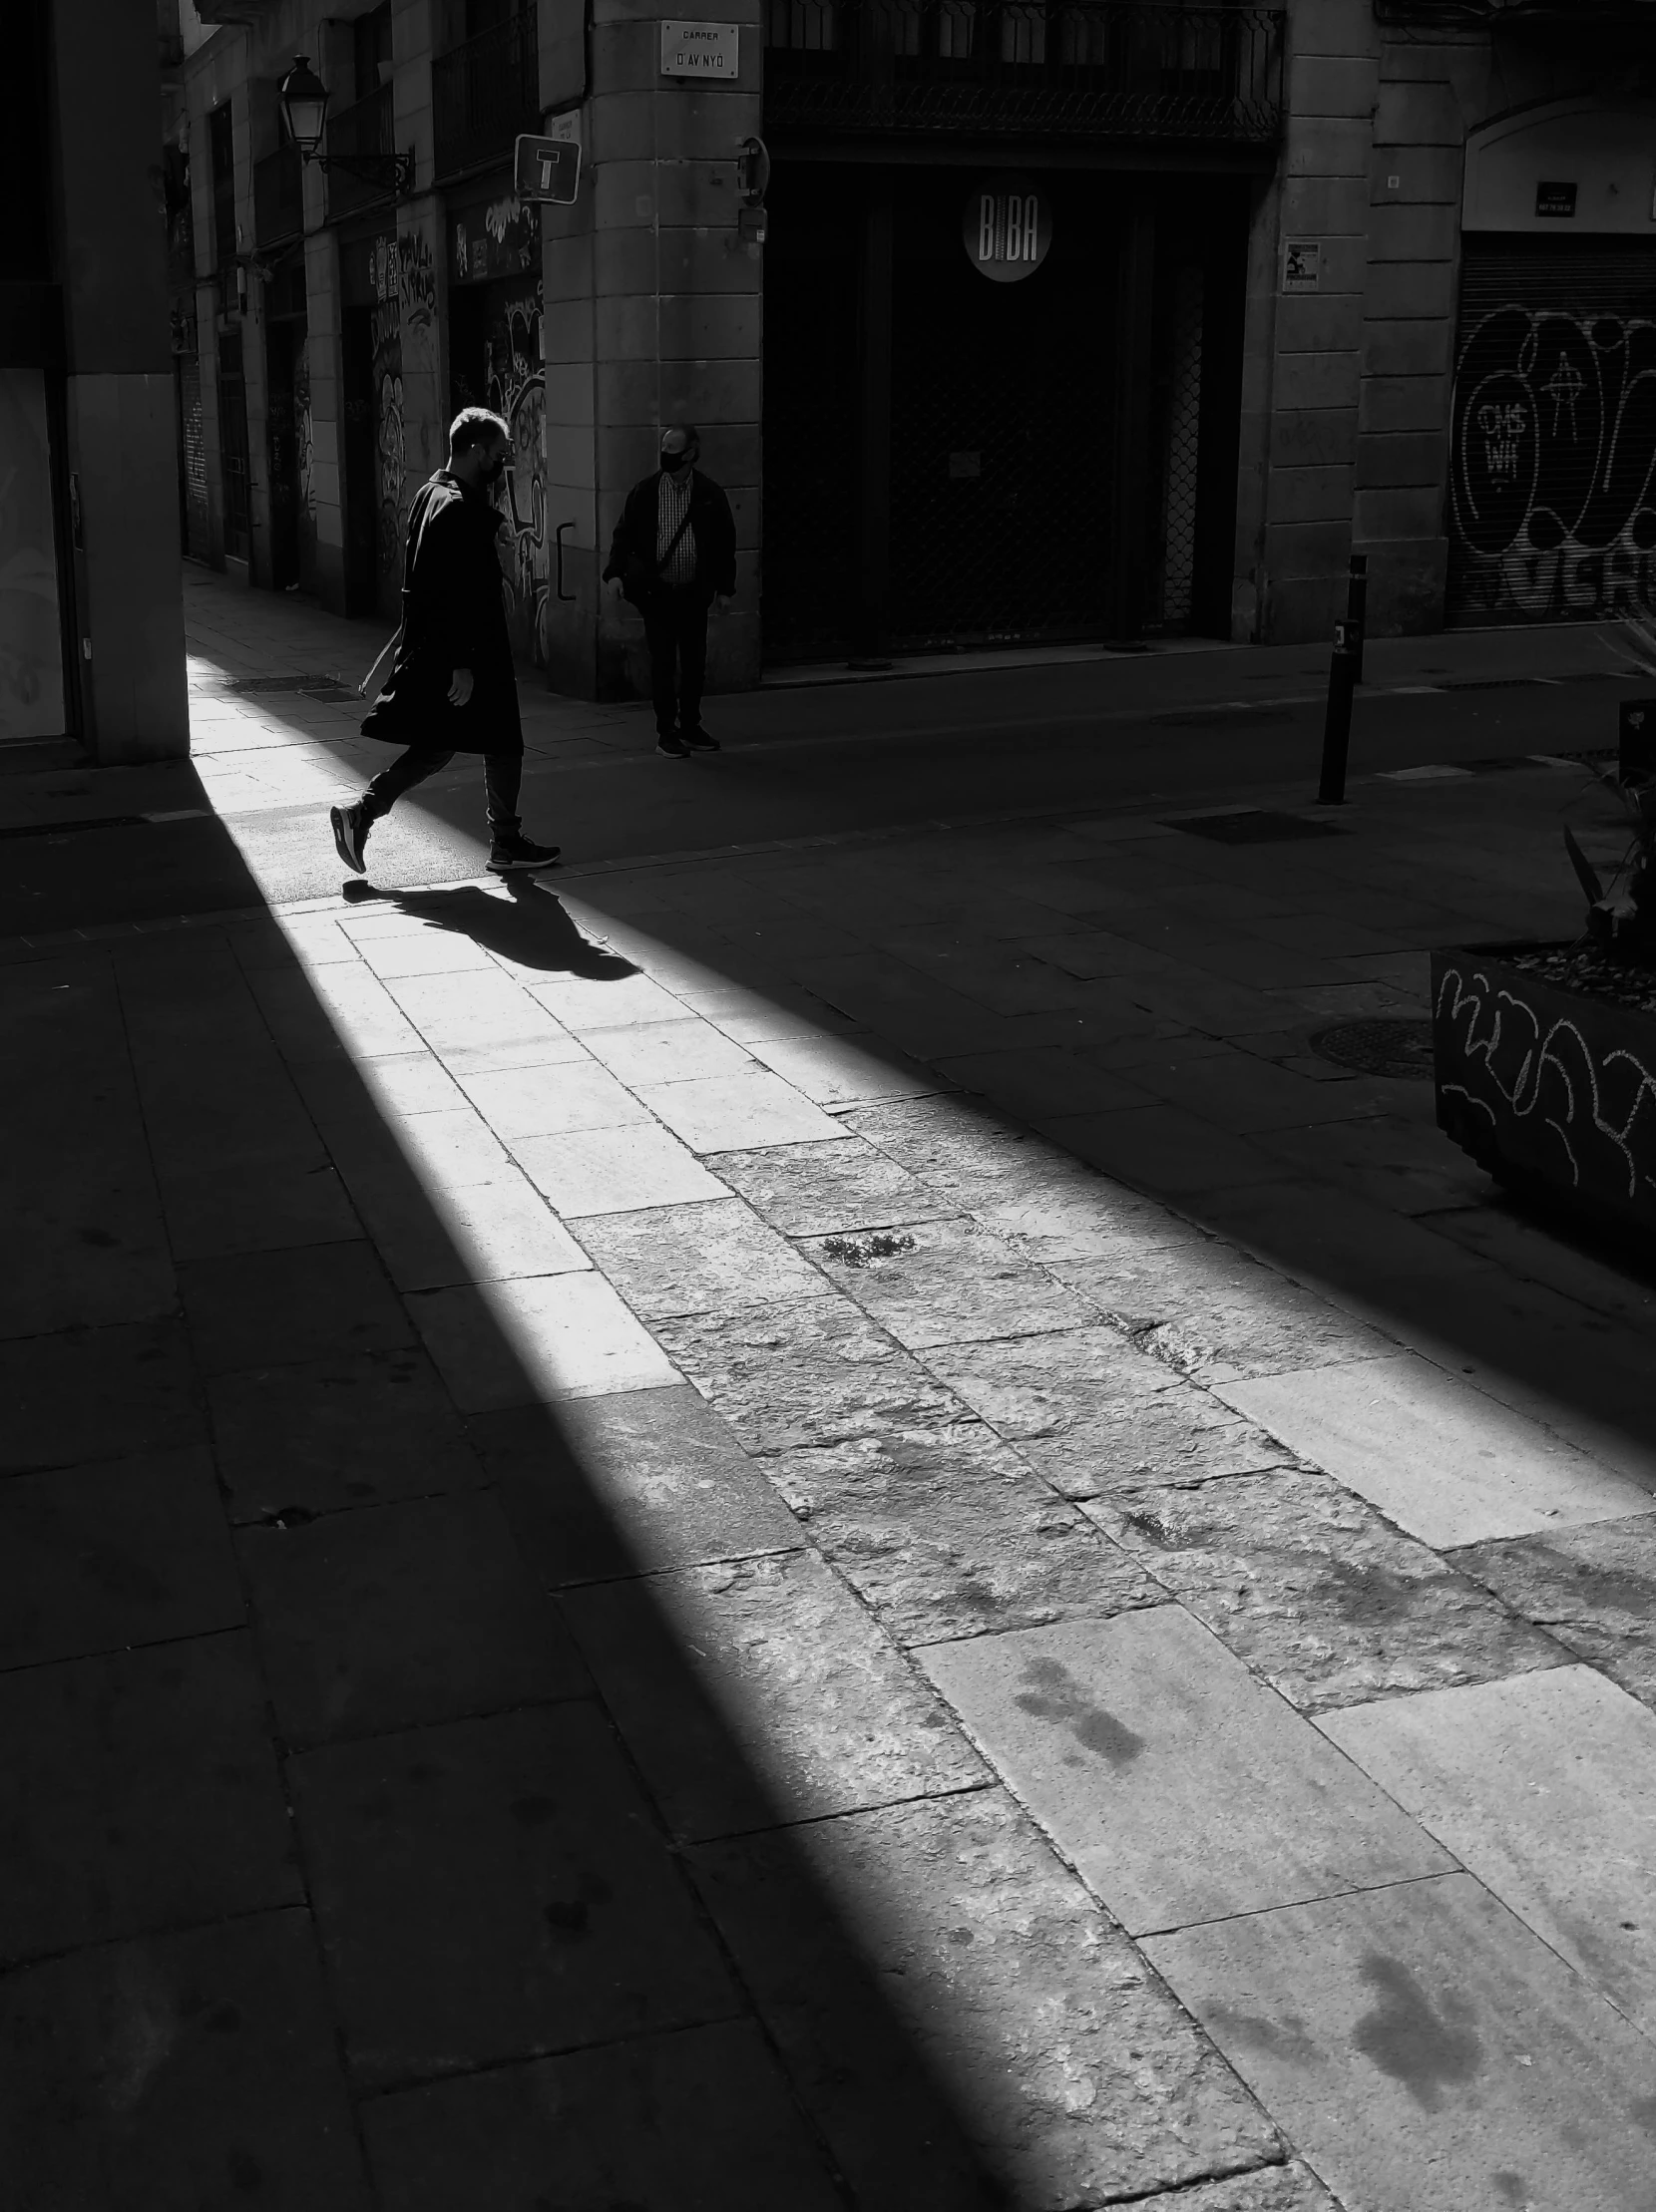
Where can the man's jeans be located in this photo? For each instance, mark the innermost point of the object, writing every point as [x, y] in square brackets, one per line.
[502, 775]
[675, 626]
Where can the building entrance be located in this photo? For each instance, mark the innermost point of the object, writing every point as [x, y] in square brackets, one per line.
[952, 460]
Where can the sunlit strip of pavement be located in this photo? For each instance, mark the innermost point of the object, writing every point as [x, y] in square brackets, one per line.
[1022, 1413]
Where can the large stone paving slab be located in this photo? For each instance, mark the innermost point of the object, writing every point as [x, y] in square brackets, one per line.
[1181, 1788]
[96, 1559]
[946, 1532]
[1080, 1215]
[1094, 1415]
[1217, 1316]
[815, 1189]
[947, 1283]
[400, 1615]
[964, 1153]
[628, 1483]
[97, 1394]
[1426, 2052]
[1289, 2188]
[998, 2041]
[760, 1690]
[1318, 1594]
[671, 1259]
[352, 1430]
[1593, 1589]
[267, 1308]
[805, 1371]
[495, 1890]
[700, 2118]
[615, 1171]
[1445, 1461]
[139, 1792]
[1545, 1788]
[193, 2069]
[546, 1337]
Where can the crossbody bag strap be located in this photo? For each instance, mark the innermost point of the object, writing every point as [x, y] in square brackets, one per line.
[661, 560]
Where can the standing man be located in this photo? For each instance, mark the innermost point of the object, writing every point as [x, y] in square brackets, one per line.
[453, 689]
[674, 548]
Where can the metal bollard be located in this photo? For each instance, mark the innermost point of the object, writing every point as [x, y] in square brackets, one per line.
[1337, 722]
[1357, 605]
[1345, 673]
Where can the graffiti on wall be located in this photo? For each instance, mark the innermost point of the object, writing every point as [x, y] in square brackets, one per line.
[390, 457]
[1553, 501]
[515, 386]
[499, 239]
[417, 296]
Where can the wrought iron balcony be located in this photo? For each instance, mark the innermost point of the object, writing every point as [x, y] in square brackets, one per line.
[1127, 69]
[483, 93]
[368, 129]
[278, 195]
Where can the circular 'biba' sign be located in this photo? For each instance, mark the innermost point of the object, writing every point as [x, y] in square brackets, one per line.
[1007, 227]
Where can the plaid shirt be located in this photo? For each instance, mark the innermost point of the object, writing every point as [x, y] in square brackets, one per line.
[673, 506]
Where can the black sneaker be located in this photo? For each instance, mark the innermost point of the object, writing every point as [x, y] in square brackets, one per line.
[350, 835]
[671, 743]
[699, 741]
[514, 853]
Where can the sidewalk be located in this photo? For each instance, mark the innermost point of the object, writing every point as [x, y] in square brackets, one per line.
[840, 1528]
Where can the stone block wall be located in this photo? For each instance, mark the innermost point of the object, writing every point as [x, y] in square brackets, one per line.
[1347, 391]
[652, 314]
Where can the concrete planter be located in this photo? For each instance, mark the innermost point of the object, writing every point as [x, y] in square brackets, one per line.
[1550, 1090]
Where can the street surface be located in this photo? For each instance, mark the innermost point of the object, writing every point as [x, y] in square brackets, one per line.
[850, 1523]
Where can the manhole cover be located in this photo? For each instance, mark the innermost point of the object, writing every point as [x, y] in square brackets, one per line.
[1390, 1047]
[1253, 826]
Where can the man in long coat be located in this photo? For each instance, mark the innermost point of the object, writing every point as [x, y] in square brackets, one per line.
[452, 688]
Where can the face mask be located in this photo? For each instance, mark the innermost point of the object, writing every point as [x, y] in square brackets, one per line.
[496, 468]
[674, 461]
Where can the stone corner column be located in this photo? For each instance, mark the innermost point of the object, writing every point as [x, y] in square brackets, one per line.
[119, 401]
[653, 315]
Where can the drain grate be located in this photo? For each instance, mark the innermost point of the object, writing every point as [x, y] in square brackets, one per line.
[1391, 1046]
[314, 687]
[1252, 826]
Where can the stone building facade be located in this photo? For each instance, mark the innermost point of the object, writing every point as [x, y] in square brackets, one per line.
[91, 626]
[1107, 319]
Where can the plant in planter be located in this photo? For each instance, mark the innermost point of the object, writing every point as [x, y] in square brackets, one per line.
[1545, 1054]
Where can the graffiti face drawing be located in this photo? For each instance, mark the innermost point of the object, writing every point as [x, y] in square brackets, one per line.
[516, 389]
[1554, 453]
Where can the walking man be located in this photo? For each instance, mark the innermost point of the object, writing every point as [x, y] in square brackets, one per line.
[453, 689]
[674, 548]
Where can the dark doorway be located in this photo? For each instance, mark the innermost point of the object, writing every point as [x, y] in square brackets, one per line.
[232, 446]
[952, 461]
[284, 348]
[362, 502]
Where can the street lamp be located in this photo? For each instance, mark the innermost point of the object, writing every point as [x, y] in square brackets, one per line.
[304, 98]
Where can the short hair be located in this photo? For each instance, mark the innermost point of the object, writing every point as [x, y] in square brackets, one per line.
[476, 426]
[687, 438]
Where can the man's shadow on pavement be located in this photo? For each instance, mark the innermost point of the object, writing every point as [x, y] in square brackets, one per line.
[529, 926]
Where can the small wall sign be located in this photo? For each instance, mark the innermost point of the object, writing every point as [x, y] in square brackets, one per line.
[1007, 227]
[710, 50]
[1555, 199]
[1302, 265]
[546, 168]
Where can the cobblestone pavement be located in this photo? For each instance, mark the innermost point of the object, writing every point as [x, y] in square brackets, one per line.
[838, 1528]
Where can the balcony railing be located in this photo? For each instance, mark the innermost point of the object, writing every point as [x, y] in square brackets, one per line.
[1133, 69]
[483, 93]
[366, 128]
[279, 197]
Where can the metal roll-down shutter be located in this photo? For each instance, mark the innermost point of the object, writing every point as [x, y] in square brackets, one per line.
[1552, 458]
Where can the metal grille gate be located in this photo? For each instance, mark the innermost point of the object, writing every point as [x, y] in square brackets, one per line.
[1552, 505]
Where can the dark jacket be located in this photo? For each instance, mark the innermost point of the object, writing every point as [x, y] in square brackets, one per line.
[633, 548]
[454, 616]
